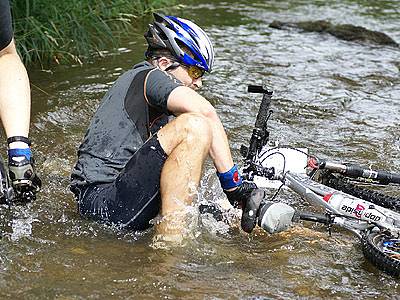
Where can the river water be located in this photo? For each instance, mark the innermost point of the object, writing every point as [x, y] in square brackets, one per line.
[340, 99]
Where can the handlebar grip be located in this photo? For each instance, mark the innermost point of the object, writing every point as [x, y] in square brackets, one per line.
[356, 171]
[263, 111]
[394, 178]
[260, 133]
[383, 177]
[264, 107]
[255, 89]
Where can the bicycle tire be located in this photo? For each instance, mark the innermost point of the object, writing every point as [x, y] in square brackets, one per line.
[373, 249]
[342, 184]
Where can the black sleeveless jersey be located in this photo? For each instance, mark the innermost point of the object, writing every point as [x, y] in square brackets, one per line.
[133, 109]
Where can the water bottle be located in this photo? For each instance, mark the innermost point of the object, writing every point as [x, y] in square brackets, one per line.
[353, 207]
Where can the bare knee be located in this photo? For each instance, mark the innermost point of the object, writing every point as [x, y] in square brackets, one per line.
[9, 49]
[196, 128]
[192, 129]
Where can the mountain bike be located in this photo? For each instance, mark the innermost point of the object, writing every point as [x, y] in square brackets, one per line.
[372, 216]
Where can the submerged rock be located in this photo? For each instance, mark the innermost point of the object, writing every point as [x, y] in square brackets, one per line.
[346, 32]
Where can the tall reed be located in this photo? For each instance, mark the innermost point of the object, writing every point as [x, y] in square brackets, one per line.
[72, 30]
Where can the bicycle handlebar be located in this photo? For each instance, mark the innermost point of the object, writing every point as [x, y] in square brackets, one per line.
[262, 114]
[355, 171]
[260, 133]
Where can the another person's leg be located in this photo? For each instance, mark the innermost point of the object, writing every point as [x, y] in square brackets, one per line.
[15, 99]
[15, 109]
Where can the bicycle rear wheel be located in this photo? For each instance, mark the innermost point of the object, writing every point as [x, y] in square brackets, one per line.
[383, 250]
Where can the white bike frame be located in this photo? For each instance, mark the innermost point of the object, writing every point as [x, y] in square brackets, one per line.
[353, 213]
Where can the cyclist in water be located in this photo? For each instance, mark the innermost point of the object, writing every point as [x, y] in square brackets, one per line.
[134, 162]
[15, 110]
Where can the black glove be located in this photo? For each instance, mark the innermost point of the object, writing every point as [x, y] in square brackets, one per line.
[240, 196]
[24, 179]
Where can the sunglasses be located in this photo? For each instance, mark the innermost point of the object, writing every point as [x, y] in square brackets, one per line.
[193, 71]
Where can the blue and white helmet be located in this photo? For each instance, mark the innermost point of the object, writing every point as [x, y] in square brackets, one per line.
[168, 32]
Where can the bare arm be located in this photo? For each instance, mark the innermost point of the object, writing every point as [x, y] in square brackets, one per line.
[184, 100]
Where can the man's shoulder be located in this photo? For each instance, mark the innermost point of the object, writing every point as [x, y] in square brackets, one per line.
[161, 77]
[143, 66]
[153, 72]
[137, 68]
[127, 77]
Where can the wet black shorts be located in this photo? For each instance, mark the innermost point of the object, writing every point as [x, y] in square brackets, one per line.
[6, 33]
[133, 199]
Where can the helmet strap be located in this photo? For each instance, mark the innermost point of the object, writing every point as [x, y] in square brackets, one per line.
[172, 66]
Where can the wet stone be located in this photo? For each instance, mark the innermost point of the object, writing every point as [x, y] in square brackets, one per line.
[346, 32]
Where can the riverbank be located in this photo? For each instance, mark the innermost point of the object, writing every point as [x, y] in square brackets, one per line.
[74, 31]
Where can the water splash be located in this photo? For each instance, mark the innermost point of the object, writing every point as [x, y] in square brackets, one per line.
[22, 227]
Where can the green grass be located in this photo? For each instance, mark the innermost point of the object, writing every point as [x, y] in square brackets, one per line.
[48, 31]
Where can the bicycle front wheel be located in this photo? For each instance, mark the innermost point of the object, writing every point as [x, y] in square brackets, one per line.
[383, 250]
[344, 185]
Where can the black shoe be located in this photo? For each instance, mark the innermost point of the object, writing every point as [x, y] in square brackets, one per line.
[251, 210]
[248, 197]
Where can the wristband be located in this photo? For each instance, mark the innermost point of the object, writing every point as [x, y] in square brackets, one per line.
[19, 138]
[19, 152]
[230, 179]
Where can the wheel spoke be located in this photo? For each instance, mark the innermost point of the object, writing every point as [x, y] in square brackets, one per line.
[391, 247]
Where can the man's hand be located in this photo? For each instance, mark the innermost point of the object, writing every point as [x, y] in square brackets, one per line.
[240, 196]
[24, 179]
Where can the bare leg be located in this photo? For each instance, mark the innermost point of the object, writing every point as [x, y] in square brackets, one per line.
[186, 141]
[15, 99]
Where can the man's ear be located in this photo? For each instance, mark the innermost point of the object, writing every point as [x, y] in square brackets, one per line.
[163, 62]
